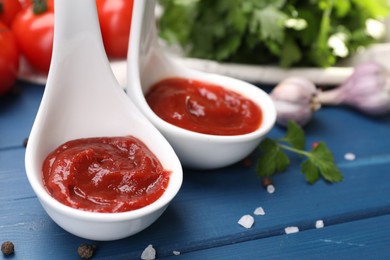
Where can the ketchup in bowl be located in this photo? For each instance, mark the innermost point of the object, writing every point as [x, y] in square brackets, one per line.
[203, 107]
[104, 174]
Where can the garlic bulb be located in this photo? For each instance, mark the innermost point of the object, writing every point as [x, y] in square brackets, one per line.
[295, 99]
[367, 89]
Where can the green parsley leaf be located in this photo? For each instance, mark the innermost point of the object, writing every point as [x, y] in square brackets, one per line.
[342, 7]
[272, 159]
[295, 135]
[322, 159]
[376, 9]
[291, 53]
[258, 32]
[310, 171]
[270, 22]
[319, 163]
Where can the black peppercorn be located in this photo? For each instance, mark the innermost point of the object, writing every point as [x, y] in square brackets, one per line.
[247, 162]
[86, 251]
[25, 141]
[7, 248]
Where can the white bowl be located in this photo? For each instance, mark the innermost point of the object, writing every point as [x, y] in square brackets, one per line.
[204, 151]
[107, 226]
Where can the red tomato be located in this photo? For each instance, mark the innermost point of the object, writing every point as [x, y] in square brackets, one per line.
[8, 10]
[34, 35]
[9, 59]
[25, 3]
[115, 20]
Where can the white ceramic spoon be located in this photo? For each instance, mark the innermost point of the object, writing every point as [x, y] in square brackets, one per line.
[83, 99]
[148, 64]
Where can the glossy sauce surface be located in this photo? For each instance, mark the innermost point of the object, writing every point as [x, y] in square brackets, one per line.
[204, 108]
[105, 174]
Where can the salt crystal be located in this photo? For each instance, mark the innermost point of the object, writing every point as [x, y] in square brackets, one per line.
[349, 156]
[319, 224]
[290, 230]
[270, 188]
[259, 211]
[176, 252]
[246, 221]
[149, 253]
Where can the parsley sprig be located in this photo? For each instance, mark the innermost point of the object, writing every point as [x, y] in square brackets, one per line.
[319, 161]
[290, 33]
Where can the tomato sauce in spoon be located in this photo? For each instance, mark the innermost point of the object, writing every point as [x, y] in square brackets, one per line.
[203, 107]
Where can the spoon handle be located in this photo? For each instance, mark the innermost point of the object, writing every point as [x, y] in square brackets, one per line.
[76, 29]
[142, 35]
[147, 60]
[81, 89]
[78, 47]
[148, 26]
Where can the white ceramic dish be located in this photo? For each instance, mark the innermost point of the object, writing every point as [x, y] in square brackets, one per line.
[251, 73]
[27, 73]
[273, 74]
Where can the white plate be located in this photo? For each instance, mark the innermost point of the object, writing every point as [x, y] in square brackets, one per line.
[272, 74]
[28, 74]
[252, 73]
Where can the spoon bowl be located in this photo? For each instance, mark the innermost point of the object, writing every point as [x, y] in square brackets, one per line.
[148, 64]
[82, 99]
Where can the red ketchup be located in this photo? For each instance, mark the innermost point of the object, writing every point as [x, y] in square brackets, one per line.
[107, 174]
[204, 108]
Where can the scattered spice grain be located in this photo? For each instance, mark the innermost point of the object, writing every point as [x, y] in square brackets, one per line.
[270, 189]
[247, 162]
[25, 141]
[266, 181]
[320, 224]
[86, 251]
[246, 221]
[350, 156]
[7, 248]
[259, 211]
[291, 230]
[149, 253]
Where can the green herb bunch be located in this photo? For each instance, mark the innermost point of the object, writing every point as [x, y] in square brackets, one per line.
[319, 161]
[281, 32]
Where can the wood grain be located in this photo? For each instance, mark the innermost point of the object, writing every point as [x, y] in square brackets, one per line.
[201, 222]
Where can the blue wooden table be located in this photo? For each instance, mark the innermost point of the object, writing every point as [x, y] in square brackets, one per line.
[201, 222]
